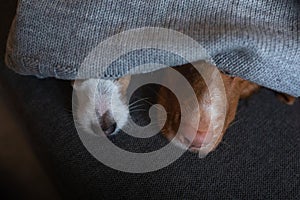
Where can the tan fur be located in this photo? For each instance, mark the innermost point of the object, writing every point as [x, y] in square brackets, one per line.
[124, 83]
[235, 87]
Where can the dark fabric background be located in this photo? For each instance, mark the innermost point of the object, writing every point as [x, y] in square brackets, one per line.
[258, 159]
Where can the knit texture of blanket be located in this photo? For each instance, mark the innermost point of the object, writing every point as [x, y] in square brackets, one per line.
[257, 40]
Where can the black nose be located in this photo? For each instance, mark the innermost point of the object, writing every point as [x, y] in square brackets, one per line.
[107, 123]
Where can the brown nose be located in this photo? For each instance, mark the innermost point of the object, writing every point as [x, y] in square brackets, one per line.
[107, 123]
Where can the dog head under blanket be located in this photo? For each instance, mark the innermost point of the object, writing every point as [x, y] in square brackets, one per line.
[105, 40]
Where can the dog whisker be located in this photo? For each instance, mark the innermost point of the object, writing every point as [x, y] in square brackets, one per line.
[137, 101]
[137, 110]
[136, 106]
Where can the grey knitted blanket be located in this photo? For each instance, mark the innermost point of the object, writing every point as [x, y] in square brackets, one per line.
[257, 40]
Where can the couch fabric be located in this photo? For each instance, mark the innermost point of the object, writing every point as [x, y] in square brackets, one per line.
[258, 158]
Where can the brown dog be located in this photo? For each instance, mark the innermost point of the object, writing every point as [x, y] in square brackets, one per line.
[235, 88]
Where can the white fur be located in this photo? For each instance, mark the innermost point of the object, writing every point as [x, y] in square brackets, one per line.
[101, 96]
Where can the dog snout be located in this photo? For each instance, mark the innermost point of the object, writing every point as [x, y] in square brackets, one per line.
[107, 123]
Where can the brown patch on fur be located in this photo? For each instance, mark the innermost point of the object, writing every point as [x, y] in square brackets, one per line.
[285, 98]
[124, 83]
[235, 89]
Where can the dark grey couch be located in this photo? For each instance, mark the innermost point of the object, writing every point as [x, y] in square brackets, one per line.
[258, 159]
